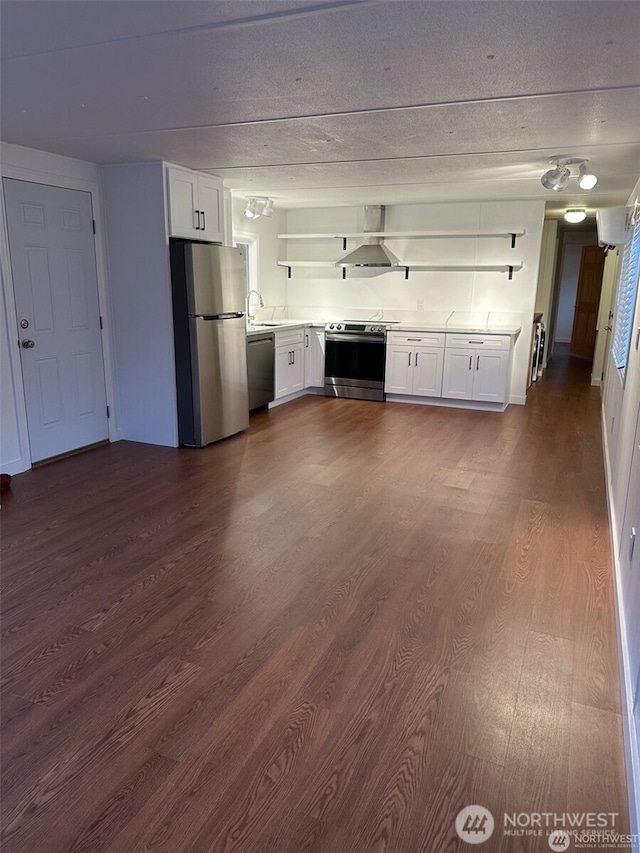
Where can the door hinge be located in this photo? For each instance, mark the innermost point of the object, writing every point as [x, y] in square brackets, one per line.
[101, 326]
[94, 225]
[108, 412]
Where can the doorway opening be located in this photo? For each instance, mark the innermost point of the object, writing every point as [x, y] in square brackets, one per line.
[576, 297]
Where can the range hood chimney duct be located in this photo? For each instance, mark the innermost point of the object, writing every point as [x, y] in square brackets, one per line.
[372, 252]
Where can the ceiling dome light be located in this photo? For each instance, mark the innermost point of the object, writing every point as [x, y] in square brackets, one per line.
[556, 179]
[586, 179]
[251, 210]
[576, 214]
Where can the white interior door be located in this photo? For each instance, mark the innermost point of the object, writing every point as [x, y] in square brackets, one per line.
[53, 262]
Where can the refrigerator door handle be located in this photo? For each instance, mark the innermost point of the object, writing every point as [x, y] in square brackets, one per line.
[231, 315]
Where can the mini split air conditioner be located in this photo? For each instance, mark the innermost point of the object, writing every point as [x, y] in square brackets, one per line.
[614, 226]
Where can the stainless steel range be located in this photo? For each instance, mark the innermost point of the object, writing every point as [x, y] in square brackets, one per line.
[355, 359]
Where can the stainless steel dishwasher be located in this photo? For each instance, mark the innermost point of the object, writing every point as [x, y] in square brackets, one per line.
[260, 365]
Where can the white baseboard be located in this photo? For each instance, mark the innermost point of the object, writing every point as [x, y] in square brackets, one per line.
[287, 399]
[446, 402]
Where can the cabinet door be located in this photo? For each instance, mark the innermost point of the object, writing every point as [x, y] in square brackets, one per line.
[289, 370]
[210, 200]
[314, 358]
[399, 370]
[490, 376]
[427, 371]
[282, 379]
[183, 204]
[457, 379]
[297, 368]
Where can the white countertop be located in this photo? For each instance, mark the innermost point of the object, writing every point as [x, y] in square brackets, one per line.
[452, 324]
[453, 327]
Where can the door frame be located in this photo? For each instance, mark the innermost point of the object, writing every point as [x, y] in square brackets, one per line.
[38, 167]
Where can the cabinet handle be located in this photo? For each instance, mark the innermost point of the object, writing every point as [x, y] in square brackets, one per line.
[293, 356]
[203, 227]
[197, 219]
[478, 363]
[417, 359]
[470, 361]
[409, 360]
[306, 338]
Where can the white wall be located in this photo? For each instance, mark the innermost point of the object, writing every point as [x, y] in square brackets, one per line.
[39, 167]
[621, 410]
[139, 272]
[322, 293]
[568, 292]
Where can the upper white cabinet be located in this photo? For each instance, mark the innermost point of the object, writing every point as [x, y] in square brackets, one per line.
[314, 357]
[476, 367]
[414, 364]
[196, 205]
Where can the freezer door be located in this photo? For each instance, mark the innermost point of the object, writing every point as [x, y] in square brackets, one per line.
[219, 365]
[215, 279]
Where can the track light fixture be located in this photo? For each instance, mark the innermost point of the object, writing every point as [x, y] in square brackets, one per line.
[557, 178]
[575, 214]
[252, 210]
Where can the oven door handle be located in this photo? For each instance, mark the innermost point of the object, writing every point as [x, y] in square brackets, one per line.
[352, 339]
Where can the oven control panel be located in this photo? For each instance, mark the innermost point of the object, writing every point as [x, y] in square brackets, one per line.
[354, 327]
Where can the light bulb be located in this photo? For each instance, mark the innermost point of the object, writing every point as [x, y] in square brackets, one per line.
[586, 179]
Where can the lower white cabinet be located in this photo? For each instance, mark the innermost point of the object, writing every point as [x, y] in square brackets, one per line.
[414, 364]
[289, 362]
[314, 357]
[476, 367]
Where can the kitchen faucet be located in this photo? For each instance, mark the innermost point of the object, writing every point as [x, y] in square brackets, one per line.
[250, 316]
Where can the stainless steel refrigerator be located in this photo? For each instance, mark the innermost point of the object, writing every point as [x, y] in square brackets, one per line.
[208, 285]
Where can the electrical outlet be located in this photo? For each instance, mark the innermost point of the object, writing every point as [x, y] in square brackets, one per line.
[420, 304]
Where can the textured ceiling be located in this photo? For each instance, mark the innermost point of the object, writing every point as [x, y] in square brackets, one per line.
[322, 103]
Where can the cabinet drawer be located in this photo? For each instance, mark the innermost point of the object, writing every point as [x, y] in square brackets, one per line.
[461, 341]
[289, 337]
[425, 339]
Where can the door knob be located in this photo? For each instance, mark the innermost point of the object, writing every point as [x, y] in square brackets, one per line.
[27, 343]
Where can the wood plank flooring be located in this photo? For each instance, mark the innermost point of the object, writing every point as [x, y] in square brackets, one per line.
[330, 633]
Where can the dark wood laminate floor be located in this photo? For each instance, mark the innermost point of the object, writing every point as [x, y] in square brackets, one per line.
[330, 633]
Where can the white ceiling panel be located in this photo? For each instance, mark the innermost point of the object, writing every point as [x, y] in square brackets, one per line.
[279, 90]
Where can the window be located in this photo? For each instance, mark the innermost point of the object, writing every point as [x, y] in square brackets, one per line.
[626, 299]
[248, 243]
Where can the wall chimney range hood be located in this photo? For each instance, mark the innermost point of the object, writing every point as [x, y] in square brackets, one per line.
[372, 252]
